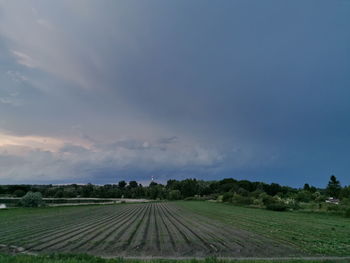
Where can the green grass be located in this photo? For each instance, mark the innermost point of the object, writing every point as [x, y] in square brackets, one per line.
[92, 259]
[316, 233]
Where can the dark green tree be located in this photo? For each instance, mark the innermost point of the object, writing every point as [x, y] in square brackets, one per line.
[19, 193]
[189, 187]
[333, 187]
[306, 187]
[153, 184]
[32, 199]
[345, 192]
[122, 184]
[133, 184]
[87, 190]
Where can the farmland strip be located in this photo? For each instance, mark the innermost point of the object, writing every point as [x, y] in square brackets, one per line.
[216, 233]
[121, 230]
[37, 232]
[209, 246]
[85, 227]
[116, 225]
[144, 236]
[175, 226]
[169, 234]
[105, 225]
[31, 226]
[156, 227]
[131, 236]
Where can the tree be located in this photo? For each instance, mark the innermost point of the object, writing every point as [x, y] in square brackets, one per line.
[189, 187]
[153, 184]
[133, 184]
[333, 187]
[306, 187]
[273, 189]
[19, 193]
[227, 184]
[304, 196]
[87, 190]
[173, 184]
[122, 184]
[59, 193]
[32, 200]
[345, 192]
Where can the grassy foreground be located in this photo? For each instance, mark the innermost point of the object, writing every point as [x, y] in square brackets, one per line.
[317, 233]
[91, 259]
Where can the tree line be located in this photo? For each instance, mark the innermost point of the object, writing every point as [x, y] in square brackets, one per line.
[184, 189]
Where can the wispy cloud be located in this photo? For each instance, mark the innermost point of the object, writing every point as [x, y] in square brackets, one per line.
[24, 59]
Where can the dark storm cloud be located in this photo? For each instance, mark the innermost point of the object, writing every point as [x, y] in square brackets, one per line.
[250, 89]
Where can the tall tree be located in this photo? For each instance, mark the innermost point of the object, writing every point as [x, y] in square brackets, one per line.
[133, 184]
[306, 187]
[122, 184]
[333, 187]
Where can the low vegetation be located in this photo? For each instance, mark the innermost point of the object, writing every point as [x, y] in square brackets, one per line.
[314, 232]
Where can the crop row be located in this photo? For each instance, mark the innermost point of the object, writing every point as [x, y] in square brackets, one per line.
[152, 229]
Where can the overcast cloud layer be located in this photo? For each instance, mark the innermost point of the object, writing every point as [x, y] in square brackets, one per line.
[99, 91]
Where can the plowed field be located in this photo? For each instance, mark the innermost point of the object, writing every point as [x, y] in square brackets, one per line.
[151, 229]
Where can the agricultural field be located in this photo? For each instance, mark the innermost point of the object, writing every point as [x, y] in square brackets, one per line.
[320, 233]
[151, 229]
[83, 258]
[173, 230]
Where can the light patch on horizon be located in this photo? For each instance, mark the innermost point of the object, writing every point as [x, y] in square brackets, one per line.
[34, 142]
[43, 158]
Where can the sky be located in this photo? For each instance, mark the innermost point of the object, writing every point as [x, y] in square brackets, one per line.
[103, 91]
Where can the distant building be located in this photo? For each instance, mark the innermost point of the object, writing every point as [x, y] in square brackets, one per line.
[3, 206]
[332, 200]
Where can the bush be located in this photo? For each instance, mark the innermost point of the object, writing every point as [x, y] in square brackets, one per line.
[190, 198]
[174, 195]
[227, 197]
[347, 213]
[242, 200]
[304, 196]
[200, 198]
[32, 200]
[267, 199]
[19, 193]
[292, 203]
[219, 199]
[345, 202]
[277, 206]
[333, 207]
[258, 202]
